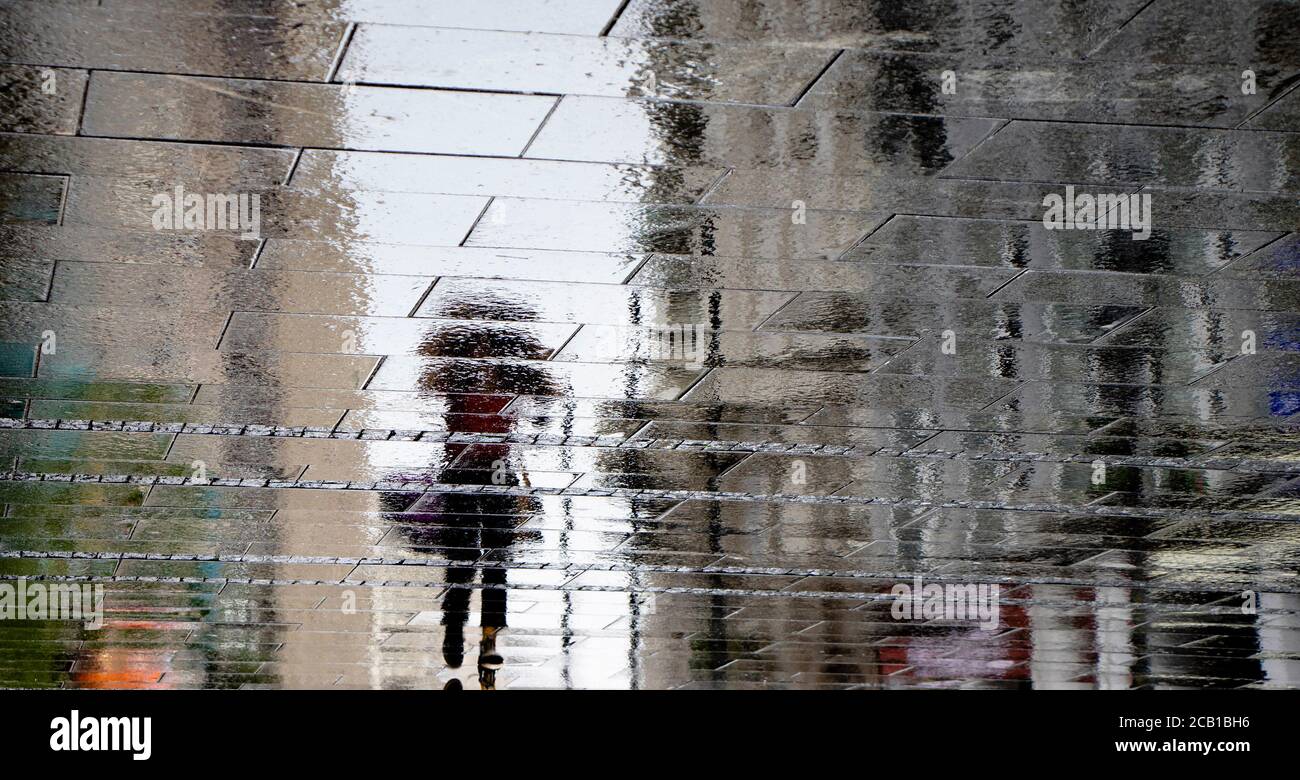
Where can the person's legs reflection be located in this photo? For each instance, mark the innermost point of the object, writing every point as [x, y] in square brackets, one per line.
[455, 614]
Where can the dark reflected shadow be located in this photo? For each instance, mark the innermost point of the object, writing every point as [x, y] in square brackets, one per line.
[475, 531]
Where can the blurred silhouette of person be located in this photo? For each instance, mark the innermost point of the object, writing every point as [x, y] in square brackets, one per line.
[469, 526]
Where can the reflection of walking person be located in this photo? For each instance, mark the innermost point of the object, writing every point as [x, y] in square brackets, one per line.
[476, 531]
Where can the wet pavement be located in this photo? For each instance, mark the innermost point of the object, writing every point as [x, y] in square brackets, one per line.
[650, 344]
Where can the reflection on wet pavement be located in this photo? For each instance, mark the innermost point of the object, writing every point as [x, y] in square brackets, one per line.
[655, 344]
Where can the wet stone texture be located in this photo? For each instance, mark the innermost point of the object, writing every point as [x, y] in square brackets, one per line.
[659, 344]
